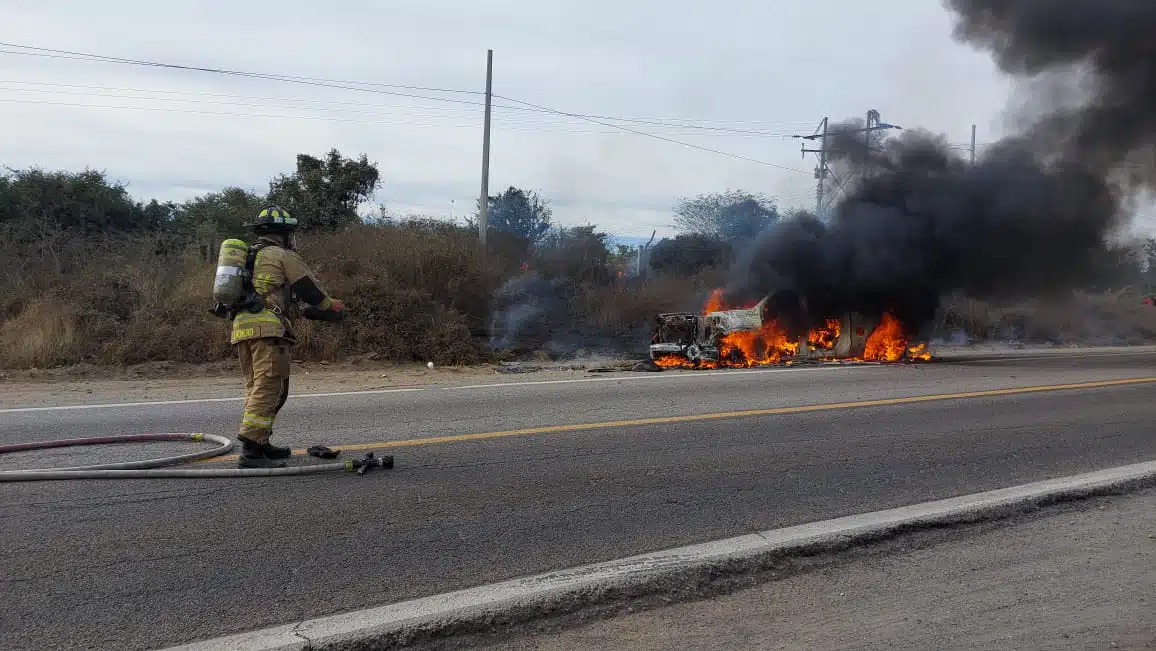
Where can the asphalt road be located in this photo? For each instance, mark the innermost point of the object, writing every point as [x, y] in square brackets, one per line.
[145, 563]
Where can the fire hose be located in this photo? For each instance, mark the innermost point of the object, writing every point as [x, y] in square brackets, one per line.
[155, 468]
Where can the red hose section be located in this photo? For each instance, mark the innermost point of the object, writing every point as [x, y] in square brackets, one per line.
[98, 440]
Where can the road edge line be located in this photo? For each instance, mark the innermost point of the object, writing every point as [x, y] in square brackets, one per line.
[476, 610]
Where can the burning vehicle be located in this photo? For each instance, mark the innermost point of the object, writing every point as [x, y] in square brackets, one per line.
[775, 331]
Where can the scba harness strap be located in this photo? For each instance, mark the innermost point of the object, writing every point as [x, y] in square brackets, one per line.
[255, 302]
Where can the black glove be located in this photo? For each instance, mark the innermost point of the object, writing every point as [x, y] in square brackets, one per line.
[322, 452]
[317, 314]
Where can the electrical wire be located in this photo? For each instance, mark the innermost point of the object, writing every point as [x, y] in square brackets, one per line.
[32, 50]
[370, 86]
[29, 50]
[308, 81]
[656, 136]
[328, 118]
[196, 95]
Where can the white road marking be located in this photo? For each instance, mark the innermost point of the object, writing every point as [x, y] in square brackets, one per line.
[191, 401]
[467, 387]
[609, 378]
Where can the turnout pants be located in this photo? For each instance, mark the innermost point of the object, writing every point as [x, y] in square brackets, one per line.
[265, 363]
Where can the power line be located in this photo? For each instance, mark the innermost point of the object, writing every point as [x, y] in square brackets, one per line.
[51, 85]
[32, 50]
[197, 94]
[652, 135]
[326, 118]
[373, 88]
[307, 81]
[169, 109]
[362, 86]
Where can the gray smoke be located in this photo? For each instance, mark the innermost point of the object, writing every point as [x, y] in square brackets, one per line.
[534, 314]
[1033, 216]
[528, 313]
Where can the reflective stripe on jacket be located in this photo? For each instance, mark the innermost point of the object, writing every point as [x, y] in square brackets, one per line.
[275, 269]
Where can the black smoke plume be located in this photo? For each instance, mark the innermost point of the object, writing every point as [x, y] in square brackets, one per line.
[1034, 215]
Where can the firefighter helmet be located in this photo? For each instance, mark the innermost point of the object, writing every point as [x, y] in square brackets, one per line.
[274, 220]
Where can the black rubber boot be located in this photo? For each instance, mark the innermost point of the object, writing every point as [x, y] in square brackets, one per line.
[274, 452]
[255, 455]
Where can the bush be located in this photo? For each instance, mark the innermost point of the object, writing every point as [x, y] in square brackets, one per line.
[1113, 318]
[419, 290]
[687, 255]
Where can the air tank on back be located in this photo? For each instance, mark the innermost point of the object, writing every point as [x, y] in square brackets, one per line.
[229, 286]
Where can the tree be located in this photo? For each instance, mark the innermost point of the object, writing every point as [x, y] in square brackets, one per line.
[223, 213]
[519, 212]
[729, 216]
[79, 202]
[686, 255]
[578, 254]
[324, 194]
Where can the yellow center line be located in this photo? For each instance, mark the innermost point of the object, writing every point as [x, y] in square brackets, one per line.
[635, 422]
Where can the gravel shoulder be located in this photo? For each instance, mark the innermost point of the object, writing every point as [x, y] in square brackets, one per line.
[1076, 577]
[101, 386]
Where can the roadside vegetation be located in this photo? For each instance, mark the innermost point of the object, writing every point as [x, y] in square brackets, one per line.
[93, 275]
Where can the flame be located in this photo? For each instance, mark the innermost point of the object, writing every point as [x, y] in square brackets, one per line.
[825, 337]
[744, 349]
[771, 345]
[674, 361]
[889, 343]
[919, 352]
[714, 303]
[767, 345]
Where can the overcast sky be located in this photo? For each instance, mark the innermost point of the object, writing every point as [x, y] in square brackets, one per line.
[773, 68]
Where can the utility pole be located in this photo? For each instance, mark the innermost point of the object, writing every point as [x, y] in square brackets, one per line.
[484, 207]
[871, 125]
[644, 247]
[823, 172]
[973, 145]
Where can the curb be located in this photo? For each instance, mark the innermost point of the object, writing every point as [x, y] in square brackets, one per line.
[479, 609]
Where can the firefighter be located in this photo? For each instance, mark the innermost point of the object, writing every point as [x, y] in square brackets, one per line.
[263, 338]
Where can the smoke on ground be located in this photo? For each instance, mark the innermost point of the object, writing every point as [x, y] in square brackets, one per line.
[1034, 215]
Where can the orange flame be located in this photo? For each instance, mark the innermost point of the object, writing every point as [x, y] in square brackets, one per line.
[770, 343]
[674, 361]
[714, 303]
[767, 345]
[824, 338]
[889, 343]
[919, 352]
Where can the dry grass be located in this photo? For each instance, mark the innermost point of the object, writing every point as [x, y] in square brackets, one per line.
[42, 335]
[1119, 318]
[416, 292]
